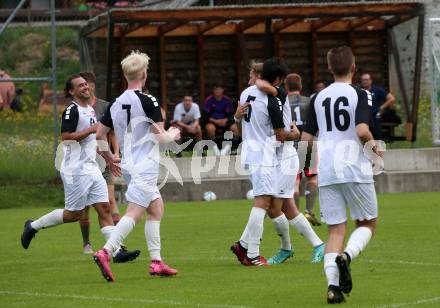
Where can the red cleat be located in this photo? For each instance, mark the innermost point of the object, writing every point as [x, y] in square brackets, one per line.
[239, 251]
[160, 268]
[102, 259]
[257, 261]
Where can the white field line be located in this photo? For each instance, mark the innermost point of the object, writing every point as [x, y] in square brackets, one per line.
[221, 258]
[418, 302]
[116, 299]
[398, 262]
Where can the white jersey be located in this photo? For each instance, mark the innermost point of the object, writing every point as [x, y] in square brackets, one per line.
[131, 116]
[79, 157]
[187, 117]
[287, 149]
[335, 112]
[265, 114]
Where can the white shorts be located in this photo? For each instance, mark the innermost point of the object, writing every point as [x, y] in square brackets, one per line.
[286, 176]
[84, 190]
[142, 189]
[360, 198]
[263, 180]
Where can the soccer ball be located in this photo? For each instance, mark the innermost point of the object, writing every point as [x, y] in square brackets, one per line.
[209, 196]
[250, 194]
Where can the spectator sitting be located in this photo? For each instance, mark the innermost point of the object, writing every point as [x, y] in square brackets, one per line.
[186, 117]
[219, 116]
[7, 91]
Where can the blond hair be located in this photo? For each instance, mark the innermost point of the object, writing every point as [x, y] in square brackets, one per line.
[257, 67]
[134, 65]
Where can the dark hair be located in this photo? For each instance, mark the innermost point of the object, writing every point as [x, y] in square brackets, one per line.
[218, 85]
[293, 82]
[273, 68]
[340, 60]
[324, 82]
[69, 84]
[89, 77]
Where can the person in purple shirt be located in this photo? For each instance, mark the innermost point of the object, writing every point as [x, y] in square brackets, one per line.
[219, 114]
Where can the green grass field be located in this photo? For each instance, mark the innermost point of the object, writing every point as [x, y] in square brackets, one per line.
[400, 267]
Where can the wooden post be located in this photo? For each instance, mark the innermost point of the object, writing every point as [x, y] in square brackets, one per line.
[239, 46]
[163, 77]
[201, 62]
[276, 44]
[417, 75]
[268, 38]
[123, 84]
[110, 44]
[314, 56]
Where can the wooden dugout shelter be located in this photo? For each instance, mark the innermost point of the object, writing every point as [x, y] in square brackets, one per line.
[191, 49]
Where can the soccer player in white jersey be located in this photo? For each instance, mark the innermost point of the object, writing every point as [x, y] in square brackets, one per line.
[137, 120]
[83, 182]
[284, 212]
[341, 115]
[262, 127]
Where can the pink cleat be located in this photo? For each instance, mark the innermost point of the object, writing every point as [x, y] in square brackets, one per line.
[102, 259]
[159, 268]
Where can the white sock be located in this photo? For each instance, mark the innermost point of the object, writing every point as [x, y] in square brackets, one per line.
[331, 269]
[120, 232]
[152, 235]
[49, 220]
[244, 237]
[255, 223]
[107, 231]
[281, 225]
[358, 241]
[302, 225]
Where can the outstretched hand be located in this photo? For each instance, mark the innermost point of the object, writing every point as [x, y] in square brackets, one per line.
[114, 166]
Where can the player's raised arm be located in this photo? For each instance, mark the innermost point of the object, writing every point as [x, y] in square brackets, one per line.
[104, 128]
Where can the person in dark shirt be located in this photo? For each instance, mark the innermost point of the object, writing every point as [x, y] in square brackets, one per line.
[219, 114]
[381, 101]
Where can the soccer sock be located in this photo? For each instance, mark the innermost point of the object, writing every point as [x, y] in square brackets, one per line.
[302, 225]
[255, 223]
[107, 231]
[244, 237]
[358, 241]
[311, 193]
[49, 220]
[152, 235]
[296, 199]
[331, 269]
[120, 232]
[116, 218]
[84, 225]
[281, 225]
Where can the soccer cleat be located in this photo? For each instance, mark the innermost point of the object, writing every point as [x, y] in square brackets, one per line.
[28, 234]
[345, 282]
[281, 256]
[312, 218]
[334, 295]
[318, 253]
[123, 255]
[160, 268]
[239, 251]
[102, 259]
[87, 249]
[257, 261]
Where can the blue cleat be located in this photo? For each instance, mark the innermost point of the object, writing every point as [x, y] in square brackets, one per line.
[281, 256]
[318, 253]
